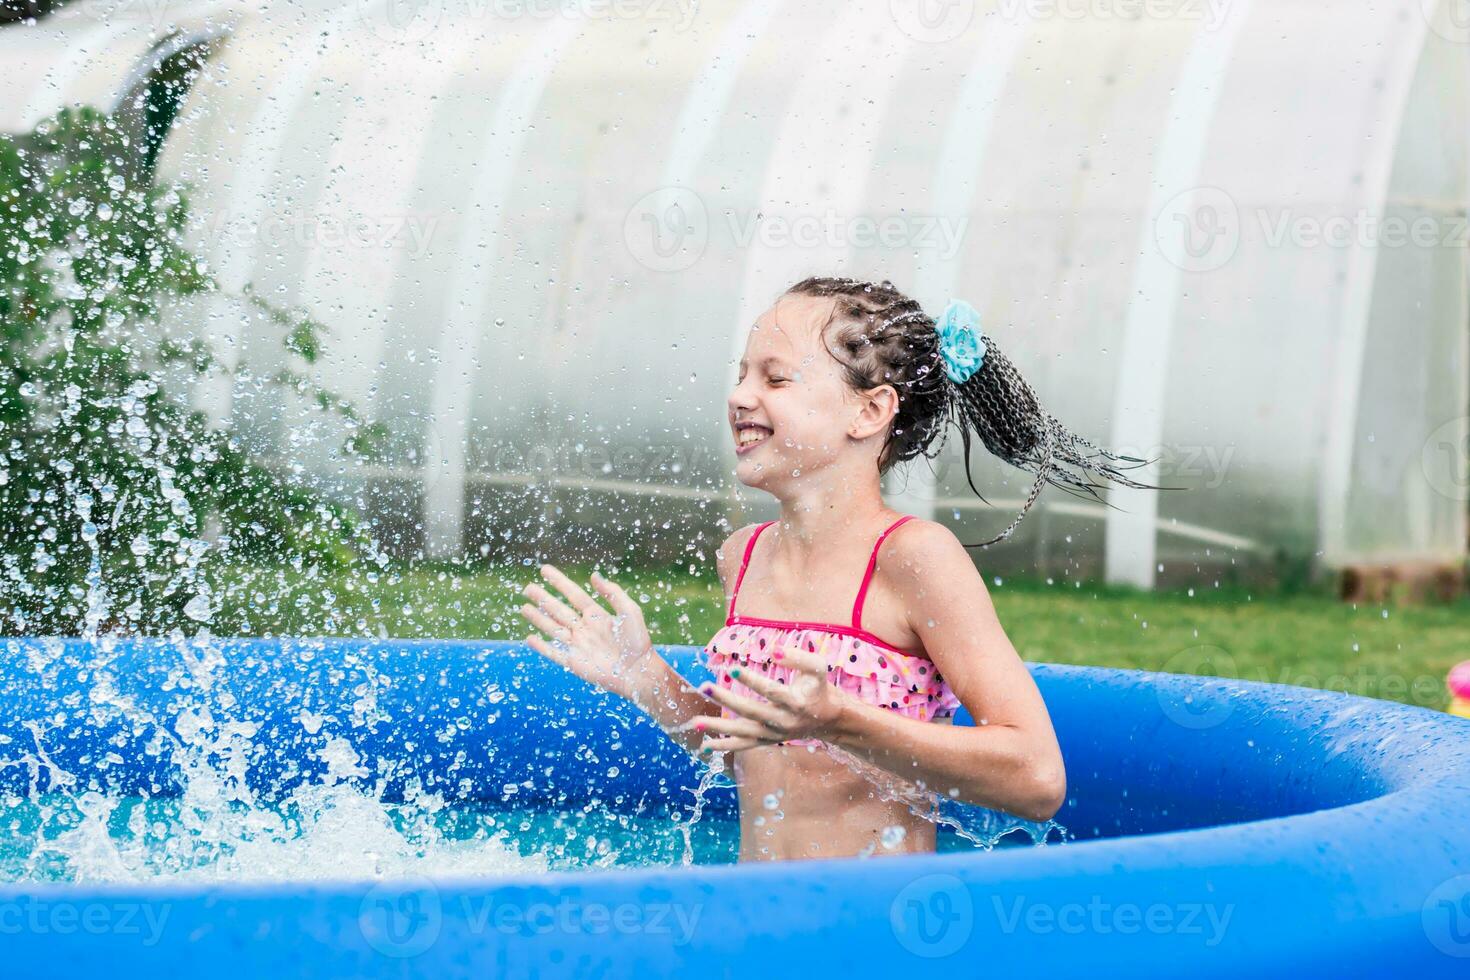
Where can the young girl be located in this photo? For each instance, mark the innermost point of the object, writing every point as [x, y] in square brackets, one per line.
[853, 633]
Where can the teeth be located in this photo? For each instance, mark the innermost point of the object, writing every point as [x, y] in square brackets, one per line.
[749, 436]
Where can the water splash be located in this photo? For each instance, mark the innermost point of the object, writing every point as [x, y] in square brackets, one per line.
[980, 826]
[714, 775]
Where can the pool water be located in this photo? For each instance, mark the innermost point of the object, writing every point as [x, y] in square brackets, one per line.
[336, 833]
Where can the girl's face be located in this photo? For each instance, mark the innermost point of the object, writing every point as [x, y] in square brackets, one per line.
[791, 413]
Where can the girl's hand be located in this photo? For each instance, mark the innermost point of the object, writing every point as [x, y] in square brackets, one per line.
[609, 650]
[807, 707]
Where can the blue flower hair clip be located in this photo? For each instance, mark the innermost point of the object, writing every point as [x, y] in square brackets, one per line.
[961, 343]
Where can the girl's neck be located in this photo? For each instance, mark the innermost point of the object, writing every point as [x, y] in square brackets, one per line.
[814, 523]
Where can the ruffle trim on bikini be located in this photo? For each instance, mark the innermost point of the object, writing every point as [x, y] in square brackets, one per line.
[909, 685]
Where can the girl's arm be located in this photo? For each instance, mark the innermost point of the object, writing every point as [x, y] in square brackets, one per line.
[671, 701]
[1010, 761]
[615, 652]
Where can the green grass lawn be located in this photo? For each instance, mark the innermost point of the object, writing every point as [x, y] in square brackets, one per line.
[1401, 654]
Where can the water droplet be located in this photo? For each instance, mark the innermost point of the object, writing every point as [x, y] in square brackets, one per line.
[198, 609]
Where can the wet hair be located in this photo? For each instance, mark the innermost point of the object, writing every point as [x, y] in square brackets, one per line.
[887, 338]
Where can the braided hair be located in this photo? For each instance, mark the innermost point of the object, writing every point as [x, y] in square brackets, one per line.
[887, 338]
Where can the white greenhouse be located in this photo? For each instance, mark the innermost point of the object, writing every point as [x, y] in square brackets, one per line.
[1230, 235]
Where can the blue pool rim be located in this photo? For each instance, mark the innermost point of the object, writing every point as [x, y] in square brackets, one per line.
[1224, 828]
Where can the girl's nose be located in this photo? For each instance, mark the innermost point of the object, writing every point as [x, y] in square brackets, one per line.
[741, 398]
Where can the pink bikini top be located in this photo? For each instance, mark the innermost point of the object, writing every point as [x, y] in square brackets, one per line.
[857, 661]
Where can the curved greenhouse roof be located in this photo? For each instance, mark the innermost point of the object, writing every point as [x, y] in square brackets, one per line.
[1230, 234]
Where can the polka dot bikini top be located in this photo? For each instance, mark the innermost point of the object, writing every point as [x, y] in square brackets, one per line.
[858, 662]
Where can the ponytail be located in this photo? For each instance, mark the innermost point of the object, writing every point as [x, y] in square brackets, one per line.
[947, 372]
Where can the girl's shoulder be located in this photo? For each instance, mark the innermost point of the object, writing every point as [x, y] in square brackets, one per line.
[921, 548]
[732, 550]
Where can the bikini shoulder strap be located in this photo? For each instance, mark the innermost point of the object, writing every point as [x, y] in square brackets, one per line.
[744, 564]
[857, 606]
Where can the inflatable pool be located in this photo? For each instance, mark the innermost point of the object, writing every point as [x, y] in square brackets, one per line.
[1215, 828]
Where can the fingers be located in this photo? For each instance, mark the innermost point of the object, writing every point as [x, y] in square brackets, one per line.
[728, 726]
[770, 688]
[749, 707]
[547, 650]
[803, 660]
[579, 599]
[553, 607]
[545, 623]
[620, 601]
[734, 744]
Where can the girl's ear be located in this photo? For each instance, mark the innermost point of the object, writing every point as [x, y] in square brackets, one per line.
[880, 406]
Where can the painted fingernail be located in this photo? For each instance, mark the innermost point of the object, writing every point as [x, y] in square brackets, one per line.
[699, 726]
[734, 671]
[706, 687]
[777, 655]
[704, 750]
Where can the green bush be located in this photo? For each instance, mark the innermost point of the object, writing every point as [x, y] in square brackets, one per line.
[118, 503]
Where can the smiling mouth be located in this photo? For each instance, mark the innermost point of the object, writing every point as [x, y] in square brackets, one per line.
[749, 437]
